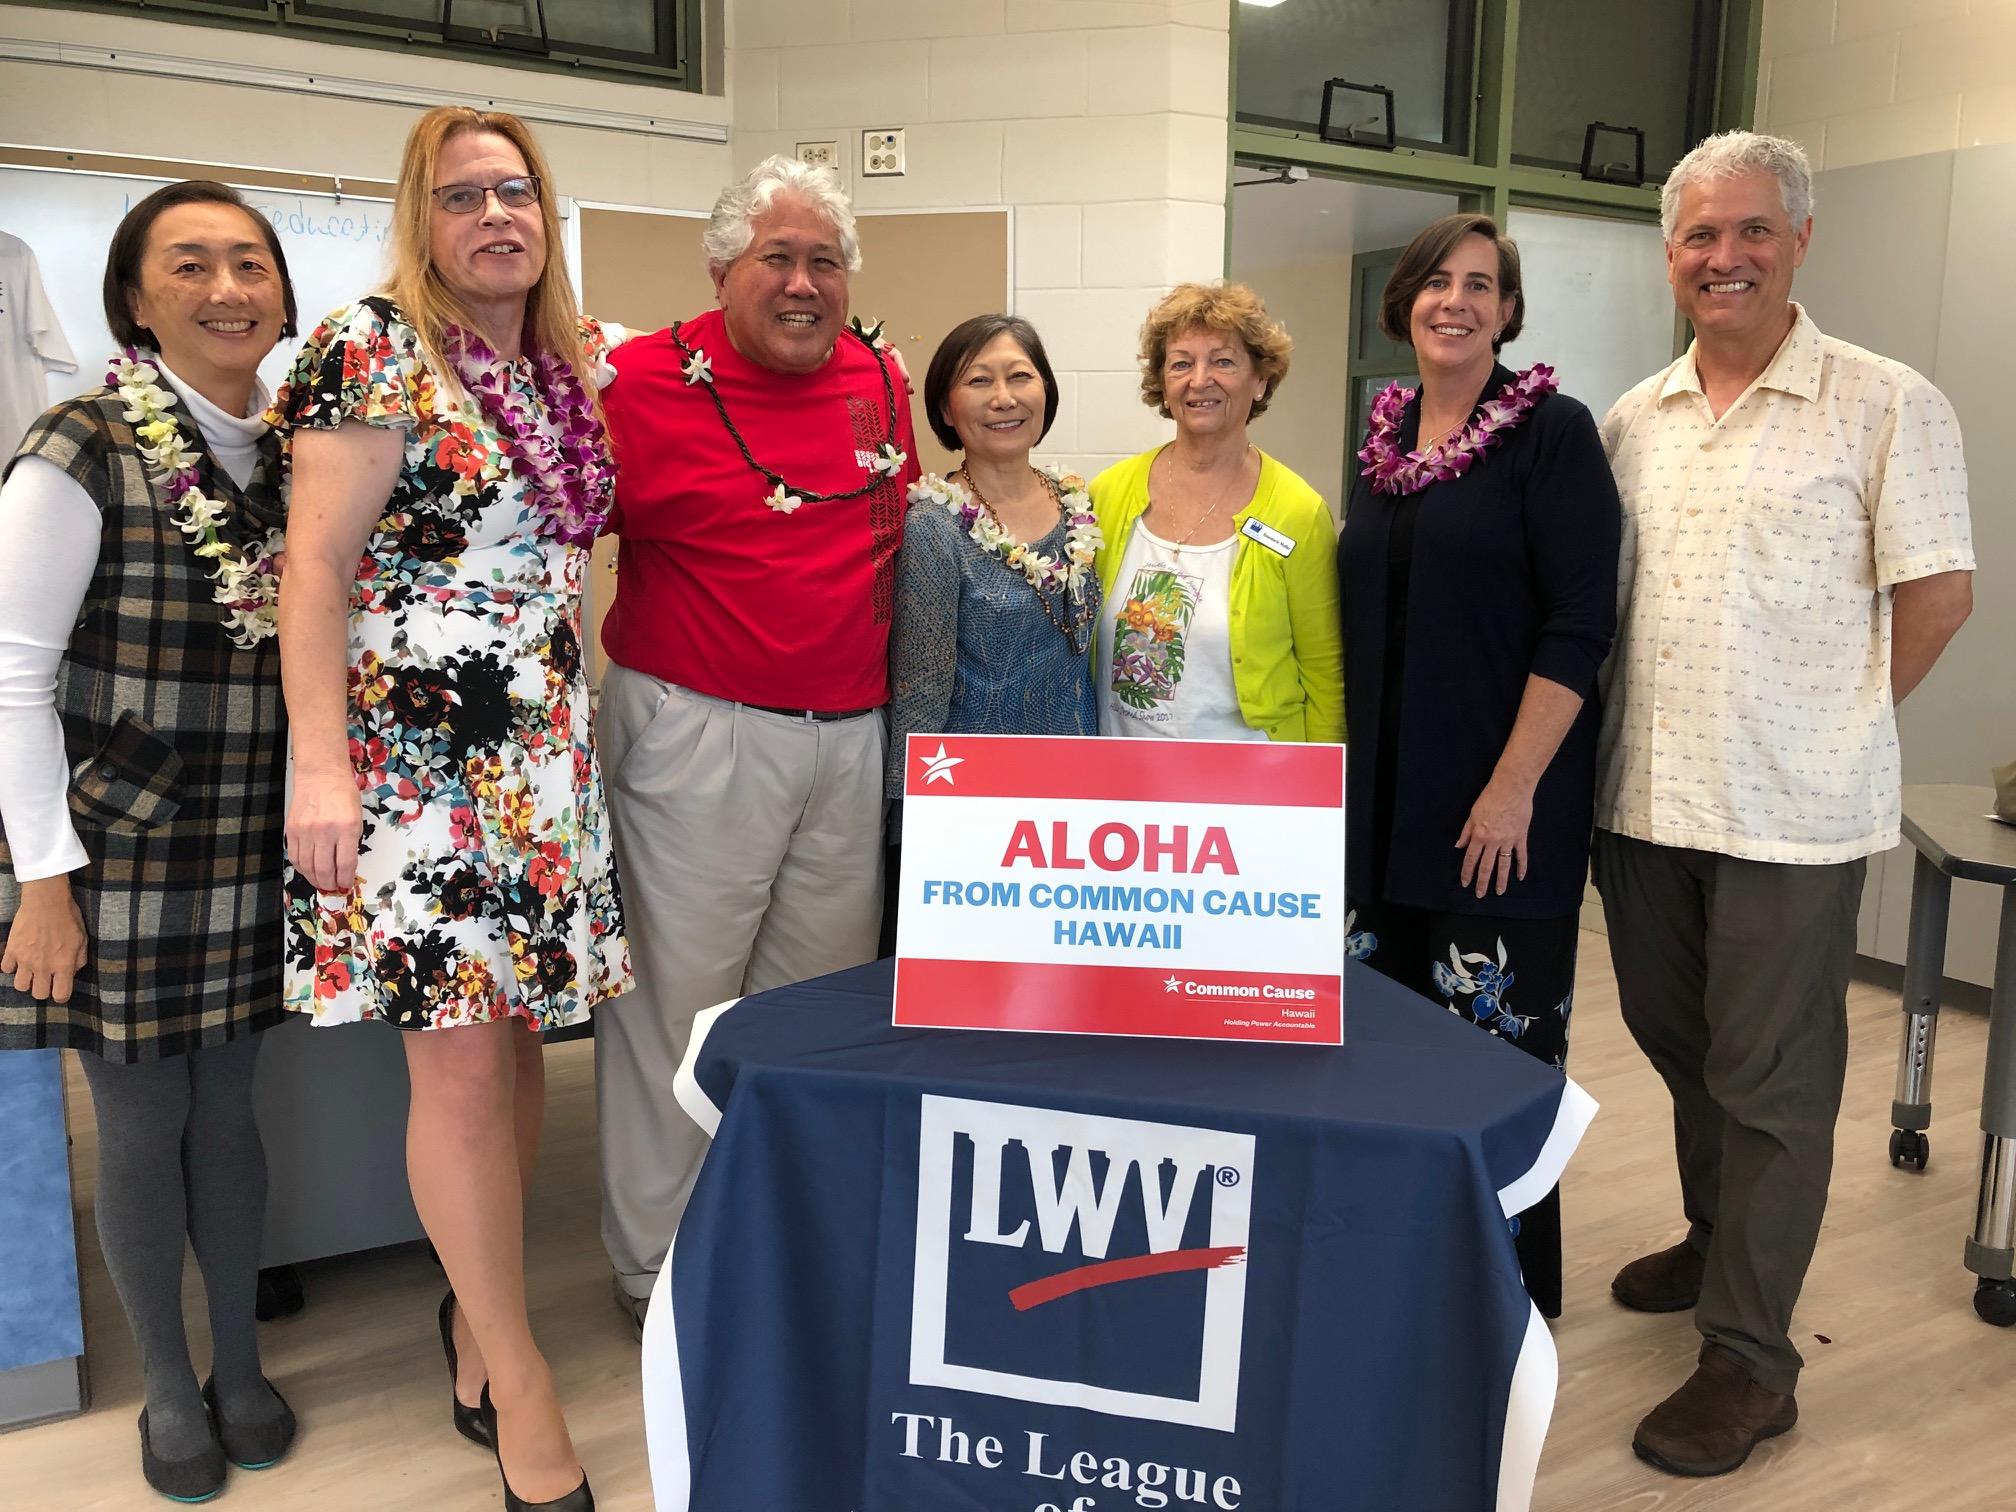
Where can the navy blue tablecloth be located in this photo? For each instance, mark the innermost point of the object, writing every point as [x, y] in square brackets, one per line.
[930, 1271]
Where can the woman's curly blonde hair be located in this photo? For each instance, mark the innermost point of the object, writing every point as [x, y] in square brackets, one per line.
[1231, 309]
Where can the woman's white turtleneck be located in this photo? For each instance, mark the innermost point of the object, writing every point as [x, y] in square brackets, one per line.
[49, 539]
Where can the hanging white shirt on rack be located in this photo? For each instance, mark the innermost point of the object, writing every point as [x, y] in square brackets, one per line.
[32, 344]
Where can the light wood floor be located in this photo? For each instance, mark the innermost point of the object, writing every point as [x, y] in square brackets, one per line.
[1907, 1407]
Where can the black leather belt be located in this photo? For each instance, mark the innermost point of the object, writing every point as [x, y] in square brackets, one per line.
[821, 716]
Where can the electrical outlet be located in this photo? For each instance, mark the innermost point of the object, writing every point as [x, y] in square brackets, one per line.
[882, 152]
[820, 155]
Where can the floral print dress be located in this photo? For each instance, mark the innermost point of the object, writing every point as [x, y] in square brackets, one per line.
[486, 887]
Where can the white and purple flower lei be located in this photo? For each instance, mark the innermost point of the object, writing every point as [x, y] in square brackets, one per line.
[1393, 471]
[246, 588]
[570, 472]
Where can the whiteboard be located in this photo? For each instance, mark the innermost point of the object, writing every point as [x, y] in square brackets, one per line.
[335, 250]
[1598, 308]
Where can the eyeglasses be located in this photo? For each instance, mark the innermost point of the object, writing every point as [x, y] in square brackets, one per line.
[467, 199]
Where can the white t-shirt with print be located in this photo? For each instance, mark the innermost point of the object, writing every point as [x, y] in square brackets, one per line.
[1165, 643]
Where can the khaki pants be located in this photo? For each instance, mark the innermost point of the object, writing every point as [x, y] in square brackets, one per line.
[1732, 976]
[750, 852]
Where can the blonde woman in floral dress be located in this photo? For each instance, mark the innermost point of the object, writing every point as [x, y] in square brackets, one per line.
[450, 862]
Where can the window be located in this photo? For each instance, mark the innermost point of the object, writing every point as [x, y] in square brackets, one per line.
[1598, 308]
[1423, 50]
[657, 38]
[1577, 65]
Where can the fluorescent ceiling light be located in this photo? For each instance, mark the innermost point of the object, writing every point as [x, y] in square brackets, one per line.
[1263, 4]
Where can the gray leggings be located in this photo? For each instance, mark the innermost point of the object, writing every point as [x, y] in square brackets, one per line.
[179, 1157]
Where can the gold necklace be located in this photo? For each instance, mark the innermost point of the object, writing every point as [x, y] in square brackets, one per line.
[1176, 547]
[1425, 447]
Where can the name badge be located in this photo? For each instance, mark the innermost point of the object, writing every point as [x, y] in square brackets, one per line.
[1268, 536]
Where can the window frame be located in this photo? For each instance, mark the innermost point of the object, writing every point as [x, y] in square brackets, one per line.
[1698, 119]
[1459, 74]
[677, 64]
[1487, 178]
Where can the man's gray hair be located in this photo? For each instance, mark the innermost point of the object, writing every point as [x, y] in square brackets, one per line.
[732, 226]
[1730, 153]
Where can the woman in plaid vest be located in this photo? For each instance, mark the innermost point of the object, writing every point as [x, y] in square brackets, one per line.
[141, 778]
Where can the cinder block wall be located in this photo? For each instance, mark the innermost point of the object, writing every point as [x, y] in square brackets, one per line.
[1862, 81]
[1101, 122]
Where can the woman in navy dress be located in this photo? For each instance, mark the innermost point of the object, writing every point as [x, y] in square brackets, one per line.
[1478, 571]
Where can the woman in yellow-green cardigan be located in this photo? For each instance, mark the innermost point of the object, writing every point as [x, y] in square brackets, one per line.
[1219, 564]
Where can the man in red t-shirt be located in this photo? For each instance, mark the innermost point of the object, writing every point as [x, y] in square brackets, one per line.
[764, 451]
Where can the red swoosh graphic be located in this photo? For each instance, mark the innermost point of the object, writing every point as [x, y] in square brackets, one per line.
[1132, 1268]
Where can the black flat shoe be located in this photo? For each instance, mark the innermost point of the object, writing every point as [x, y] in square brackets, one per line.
[196, 1479]
[468, 1420]
[253, 1446]
[580, 1499]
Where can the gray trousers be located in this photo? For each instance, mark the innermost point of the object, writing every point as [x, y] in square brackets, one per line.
[750, 851]
[1733, 977]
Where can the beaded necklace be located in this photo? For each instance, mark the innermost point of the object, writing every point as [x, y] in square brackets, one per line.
[785, 497]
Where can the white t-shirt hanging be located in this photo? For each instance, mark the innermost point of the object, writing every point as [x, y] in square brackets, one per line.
[32, 344]
[1165, 643]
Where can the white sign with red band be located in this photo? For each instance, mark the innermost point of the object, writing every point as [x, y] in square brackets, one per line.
[1190, 889]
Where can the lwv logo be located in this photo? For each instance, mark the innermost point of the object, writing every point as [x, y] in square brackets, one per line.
[1158, 1183]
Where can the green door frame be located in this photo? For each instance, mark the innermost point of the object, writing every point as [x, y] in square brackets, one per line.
[1371, 358]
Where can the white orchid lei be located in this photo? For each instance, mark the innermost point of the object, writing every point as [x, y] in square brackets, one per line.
[247, 589]
[1082, 539]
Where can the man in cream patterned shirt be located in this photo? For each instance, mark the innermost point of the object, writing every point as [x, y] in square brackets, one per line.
[1796, 555]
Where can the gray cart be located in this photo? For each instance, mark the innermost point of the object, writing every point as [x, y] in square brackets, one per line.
[1955, 838]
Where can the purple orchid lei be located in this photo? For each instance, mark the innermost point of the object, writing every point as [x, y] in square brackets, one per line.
[569, 469]
[1393, 471]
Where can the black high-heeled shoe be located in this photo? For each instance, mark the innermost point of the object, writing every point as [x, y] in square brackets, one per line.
[580, 1499]
[468, 1420]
